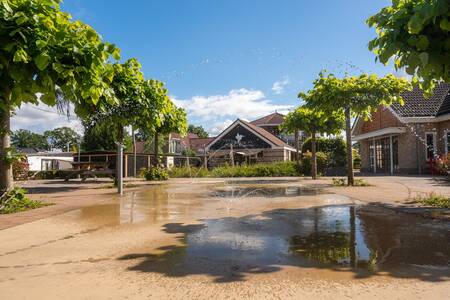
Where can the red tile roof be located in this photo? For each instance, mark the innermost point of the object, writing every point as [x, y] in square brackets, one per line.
[267, 135]
[200, 143]
[272, 119]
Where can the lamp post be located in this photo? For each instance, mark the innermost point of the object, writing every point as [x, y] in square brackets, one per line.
[119, 169]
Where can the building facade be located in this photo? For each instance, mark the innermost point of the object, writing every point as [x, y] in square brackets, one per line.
[406, 139]
[259, 141]
[242, 142]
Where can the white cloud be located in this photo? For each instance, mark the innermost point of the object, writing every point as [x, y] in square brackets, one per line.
[39, 118]
[218, 127]
[278, 86]
[241, 103]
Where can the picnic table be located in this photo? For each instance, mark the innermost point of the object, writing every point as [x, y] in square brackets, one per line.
[89, 169]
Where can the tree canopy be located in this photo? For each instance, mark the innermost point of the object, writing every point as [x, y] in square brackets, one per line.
[47, 57]
[127, 88]
[198, 130]
[43, 51]
[102, 137]
[416, 34]
[60, 138]
[311, 120]
[23, 138]
[362, 94]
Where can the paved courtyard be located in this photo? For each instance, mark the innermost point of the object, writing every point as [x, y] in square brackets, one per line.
[227, 238]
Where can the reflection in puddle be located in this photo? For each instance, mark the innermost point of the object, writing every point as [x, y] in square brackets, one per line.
[268, 192]
[332, 236]
[329, 236]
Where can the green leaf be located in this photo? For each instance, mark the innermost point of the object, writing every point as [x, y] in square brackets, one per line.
[116, 54]
[415, 24]
[422, 43]
[42, 61]
[6, 6]
[445, 24]
[20, 56]
[41, 44]
[49, 99]
[424, 58]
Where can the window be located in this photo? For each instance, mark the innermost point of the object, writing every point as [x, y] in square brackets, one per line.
[447, 141]
[430, 138]
[372, 156]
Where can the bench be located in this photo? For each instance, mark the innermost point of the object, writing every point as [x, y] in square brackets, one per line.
[85, 174]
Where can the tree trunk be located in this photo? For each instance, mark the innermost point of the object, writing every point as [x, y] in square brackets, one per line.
[348, 133]
[297, 156]
[314, 156]
[6, 174]
[156, 151]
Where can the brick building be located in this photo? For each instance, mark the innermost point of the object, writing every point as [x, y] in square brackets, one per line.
[404, 139]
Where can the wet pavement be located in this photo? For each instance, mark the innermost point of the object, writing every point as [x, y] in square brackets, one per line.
[224, 232]
[350, 236]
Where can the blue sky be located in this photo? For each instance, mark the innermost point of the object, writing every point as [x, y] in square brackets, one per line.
[235, 58]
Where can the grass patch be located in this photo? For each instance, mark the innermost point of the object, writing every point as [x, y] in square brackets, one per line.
[257, 170]
[433, 199]
[343, 182]
[15, 200]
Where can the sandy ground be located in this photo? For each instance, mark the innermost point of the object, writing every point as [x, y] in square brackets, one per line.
[94, 245]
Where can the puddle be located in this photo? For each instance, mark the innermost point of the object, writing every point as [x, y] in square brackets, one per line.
[262, 181]
[268, 192]
[342, 236]
[338, 236]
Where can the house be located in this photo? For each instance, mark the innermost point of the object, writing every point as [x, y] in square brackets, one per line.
[405, 139]
[251, 142]
[177, 143]
[49, 161]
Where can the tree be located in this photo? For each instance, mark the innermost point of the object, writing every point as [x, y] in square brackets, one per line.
[131, 107]
[198, 130]
[23, 138]
[354, 96]
[416, 33]
[102, 137]
[44, 55]
[62, 138]
[172, 118]
[333, 147]
[313, 121]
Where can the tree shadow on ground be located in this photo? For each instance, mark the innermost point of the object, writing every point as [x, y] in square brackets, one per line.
[50, 189]
[341, 238]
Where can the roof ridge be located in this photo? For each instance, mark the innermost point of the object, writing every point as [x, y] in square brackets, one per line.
[258, 129]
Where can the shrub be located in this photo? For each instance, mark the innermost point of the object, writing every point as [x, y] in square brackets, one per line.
[20, 169]
[334, 148]
[435, 200]
[306, 163]
[255, 170]
[443, 164]
[154, 174]
[15, 200]
[187, 172]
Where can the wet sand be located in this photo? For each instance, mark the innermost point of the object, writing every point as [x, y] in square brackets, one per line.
[203, 239]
